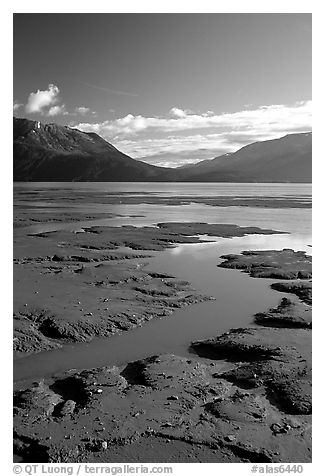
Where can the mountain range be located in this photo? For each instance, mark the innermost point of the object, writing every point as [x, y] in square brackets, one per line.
[54, 153]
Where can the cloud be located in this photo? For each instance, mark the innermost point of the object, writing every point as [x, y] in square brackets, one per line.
[17, 106]
[49, 103]
[57, 111]
[173, 150]
[175, 111]
[82, 110]
[40, 101]
[182, 133]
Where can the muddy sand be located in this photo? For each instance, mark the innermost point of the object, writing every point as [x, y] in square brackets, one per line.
[245, 396]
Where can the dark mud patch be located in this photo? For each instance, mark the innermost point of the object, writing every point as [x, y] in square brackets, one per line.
[71, 389]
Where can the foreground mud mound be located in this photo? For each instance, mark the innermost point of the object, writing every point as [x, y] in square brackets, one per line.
[275, 359]
[160, 409]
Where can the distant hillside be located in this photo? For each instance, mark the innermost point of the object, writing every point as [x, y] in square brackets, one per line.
[49, 152]
[288, 159]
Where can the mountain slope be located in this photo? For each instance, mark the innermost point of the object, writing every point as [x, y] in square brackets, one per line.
[288, 159]
[49, 152]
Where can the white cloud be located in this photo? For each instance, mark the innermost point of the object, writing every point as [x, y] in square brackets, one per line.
[82, 110]
[17, 106]
[164, 139]
[175, 111]
[57, 110]
[40, 101]
[265, 118]
[49, 103]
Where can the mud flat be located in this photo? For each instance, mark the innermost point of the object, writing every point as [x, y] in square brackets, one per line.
[27, 216]
[74, 196]
[74, 286]
[245, 396]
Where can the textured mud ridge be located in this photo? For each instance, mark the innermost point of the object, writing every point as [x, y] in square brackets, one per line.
[285, 264]
[164, 235]
[302, 289]
[91, 297]
[287, 314]
[275, 359]
[28, 216]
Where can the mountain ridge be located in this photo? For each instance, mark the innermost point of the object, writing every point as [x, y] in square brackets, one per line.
[285, 159]
[50, 152]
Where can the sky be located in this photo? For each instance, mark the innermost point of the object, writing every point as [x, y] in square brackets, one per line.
[168, 89]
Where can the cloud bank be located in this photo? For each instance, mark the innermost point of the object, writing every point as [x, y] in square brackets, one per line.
[183, 136]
